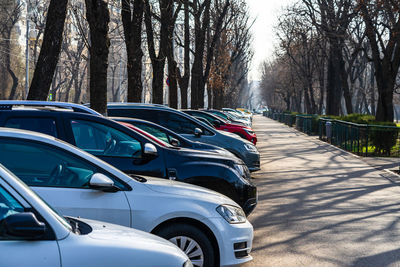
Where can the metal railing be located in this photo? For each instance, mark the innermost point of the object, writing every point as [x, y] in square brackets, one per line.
[361, 139]
[306, 124]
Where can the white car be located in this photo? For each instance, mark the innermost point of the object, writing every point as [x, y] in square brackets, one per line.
[32, 234]
[209, 227]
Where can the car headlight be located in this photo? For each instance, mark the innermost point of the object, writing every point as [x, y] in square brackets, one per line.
[232, 214]
[240, 170]
[250, 147]
[188, 263]
[249, 132]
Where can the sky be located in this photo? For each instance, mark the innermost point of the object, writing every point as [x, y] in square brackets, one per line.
[266, 13]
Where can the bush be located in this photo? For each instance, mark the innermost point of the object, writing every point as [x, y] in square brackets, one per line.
[383, 138]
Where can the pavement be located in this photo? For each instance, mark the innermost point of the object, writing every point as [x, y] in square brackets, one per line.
[321, 206]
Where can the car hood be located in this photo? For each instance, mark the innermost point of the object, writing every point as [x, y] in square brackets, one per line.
[116, 234]
[195, 193]
[208, 155]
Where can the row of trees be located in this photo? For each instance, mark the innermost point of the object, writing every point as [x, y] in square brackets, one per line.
[75, 44]
[336, 57]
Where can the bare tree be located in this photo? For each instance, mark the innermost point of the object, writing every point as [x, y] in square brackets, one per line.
[9, 14]
[382, 22]
[50, 50]
[132, 17]
[98, 17]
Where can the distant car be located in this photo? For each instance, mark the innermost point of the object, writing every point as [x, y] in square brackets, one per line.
[209, 227]
[136, 153]
[221, 124]
[189, 127]
[227, 117]
[41, 237]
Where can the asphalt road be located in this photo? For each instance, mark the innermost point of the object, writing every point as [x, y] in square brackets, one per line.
[320, 206]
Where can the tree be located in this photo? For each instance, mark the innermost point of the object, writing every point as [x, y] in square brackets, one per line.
[98, 17]
[332, 18]
[9, 15]
[132, 17]
[382, 23]
[50, 50]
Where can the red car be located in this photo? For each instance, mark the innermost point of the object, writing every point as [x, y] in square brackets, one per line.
[221, 124]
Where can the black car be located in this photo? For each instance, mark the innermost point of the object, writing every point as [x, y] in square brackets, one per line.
[135, 153]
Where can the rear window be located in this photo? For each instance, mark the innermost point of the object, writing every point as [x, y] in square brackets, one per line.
[41, 125]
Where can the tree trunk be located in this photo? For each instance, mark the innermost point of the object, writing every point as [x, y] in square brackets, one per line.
[50, 51]
[184, 80]
[132, 23]
[200, 27]
[334, 90]
[345, 85]
[98, 17]
[173, 85]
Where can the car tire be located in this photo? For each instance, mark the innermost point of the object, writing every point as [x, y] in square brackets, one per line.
[194, 242]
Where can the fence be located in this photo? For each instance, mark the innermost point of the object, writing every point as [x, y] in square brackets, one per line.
[361, 139]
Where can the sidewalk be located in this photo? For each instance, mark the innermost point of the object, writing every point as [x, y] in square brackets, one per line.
[321, 206]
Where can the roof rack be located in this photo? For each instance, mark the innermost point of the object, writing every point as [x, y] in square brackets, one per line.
[8, 105]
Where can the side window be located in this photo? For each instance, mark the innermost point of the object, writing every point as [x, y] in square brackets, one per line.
[176, 123]
[43, 165]
[101, 140]
[42, 125]
[139, 113]
[154, 131]
[8, 205]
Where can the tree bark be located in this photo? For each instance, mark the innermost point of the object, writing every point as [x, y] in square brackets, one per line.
[98, 17]
[132, 23]
[50, 51]
[184, 80]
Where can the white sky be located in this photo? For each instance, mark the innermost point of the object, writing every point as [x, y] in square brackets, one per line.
[266, 13]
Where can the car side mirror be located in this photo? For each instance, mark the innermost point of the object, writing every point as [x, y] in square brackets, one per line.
[174, 142]
[150, 150]
[23, 225]
[198, 132]
[101, 182]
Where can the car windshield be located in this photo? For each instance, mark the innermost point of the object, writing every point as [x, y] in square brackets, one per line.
[147, 134]
[41, 201]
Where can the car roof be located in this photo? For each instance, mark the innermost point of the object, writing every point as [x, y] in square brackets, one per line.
[131, 104]
[47, 105]
[160, 107]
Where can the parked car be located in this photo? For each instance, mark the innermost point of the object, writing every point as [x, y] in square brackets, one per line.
[221, 124]
[238, 113]
[29, 227]
[134, 153]
[227, 117]
[211, 228]
[171, 137]
[189, 127]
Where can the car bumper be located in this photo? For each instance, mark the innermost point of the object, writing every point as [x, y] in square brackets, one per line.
[234, 240]
[252, 161]
[248, 199]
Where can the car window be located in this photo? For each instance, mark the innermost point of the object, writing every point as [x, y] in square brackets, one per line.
[211, 119]
[43, 165]
[101, 140]
[155, 132]
[42, 125]
[144, 114]
[8, 205]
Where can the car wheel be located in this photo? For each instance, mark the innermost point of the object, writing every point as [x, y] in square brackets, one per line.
[192, 241]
